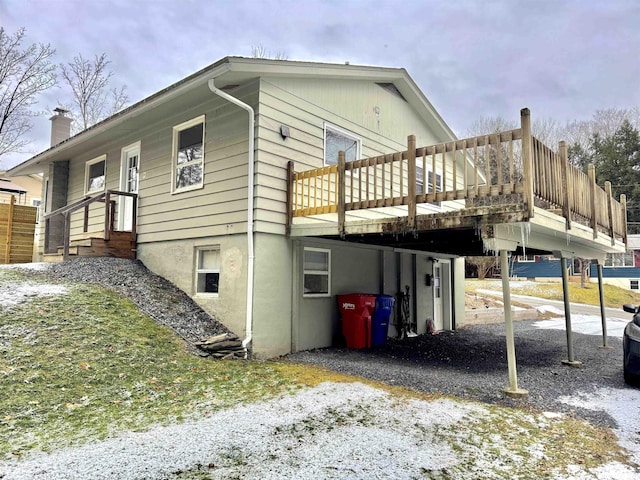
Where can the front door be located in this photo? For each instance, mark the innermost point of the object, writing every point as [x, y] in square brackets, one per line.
[128, 183]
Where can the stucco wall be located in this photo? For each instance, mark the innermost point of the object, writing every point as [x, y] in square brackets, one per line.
[176, 261]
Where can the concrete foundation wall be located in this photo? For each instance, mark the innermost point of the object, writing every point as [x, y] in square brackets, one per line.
[176, 261]
[273, 280]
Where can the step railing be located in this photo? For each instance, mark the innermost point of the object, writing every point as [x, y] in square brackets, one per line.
[109, 215]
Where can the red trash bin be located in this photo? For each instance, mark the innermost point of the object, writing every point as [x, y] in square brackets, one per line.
[356, 310]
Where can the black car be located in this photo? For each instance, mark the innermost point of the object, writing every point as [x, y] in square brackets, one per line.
[631, 345]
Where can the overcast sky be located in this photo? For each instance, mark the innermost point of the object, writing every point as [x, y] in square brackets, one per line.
[562, 59]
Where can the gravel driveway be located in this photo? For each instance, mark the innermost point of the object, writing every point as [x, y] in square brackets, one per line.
[472, 363]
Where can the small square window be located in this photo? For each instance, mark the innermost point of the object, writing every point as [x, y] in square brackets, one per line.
[336, 140]
[95, 175]
[188, 155]
[634, 284]
[208, 270]
[317, 272]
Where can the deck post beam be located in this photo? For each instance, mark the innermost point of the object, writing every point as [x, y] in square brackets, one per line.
[527, 159]
[567, 184]
[411, 173]
[603, 315]
[591, 172]
[342, 184]
[571, 361]
[512, 390]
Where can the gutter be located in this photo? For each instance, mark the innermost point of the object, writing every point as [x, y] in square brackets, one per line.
[250, 232]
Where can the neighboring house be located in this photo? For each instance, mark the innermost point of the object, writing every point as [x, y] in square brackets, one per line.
[619, 269]
[246, 218]
[26, 189]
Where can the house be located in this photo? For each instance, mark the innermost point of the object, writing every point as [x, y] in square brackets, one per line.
[26, 189]
[619, 269]
[265, 188]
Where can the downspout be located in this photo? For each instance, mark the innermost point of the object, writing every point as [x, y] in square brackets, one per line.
[250, 250]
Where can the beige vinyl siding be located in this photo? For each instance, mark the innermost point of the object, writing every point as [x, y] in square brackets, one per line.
[216, 209]
[304, 105]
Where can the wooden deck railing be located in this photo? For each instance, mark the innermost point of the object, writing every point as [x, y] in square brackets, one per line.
[488, 166]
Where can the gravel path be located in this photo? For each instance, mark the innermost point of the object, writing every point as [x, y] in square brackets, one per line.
[472, 363]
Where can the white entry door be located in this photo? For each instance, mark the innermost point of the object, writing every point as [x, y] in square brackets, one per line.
[437, 297]
[129, 179]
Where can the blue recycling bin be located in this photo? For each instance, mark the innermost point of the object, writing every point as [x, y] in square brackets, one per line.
[380, 319]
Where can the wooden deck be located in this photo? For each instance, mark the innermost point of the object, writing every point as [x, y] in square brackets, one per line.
[453, 196]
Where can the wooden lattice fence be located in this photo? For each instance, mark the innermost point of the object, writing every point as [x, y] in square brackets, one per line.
[17, 227]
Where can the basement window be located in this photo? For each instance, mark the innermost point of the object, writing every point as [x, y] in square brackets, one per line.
[208, 270]
[633, 284]
[95, 175]
[317, 272]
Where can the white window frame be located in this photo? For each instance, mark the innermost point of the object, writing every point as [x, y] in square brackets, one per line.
[174, 154]
[525, 259]
[345, 133]
[317, 272]
[199, 270]
[430, 187]
[87, 168]
[38, 206]
[628, 255]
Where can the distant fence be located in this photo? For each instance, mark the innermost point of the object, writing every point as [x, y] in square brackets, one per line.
[17, 228]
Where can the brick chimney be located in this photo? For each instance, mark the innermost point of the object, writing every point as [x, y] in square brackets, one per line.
[60, 126]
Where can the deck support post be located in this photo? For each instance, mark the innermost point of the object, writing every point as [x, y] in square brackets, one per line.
[512, 390]
[603, 315]
[567, 313]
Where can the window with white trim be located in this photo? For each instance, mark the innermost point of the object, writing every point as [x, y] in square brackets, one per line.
[35, 202]
[188, 155]
[620, 259]
[420, 182]
[526, 258]
[337, 139]
[316, 272]
[208, 270]
[95, 174]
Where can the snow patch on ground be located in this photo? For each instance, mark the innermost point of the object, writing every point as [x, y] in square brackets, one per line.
[586, 324]
[623, 404]
[39, 266]
[332, 431]
[550, 309]
[14, 292]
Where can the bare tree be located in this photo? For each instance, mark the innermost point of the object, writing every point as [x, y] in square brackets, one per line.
[483, 265]
[259, 51]
[24, 74]
[89, 83]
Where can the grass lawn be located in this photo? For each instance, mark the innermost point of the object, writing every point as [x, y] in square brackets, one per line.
[86, 365]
